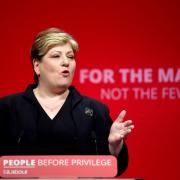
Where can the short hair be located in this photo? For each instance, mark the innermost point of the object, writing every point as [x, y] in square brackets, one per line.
[47, 39]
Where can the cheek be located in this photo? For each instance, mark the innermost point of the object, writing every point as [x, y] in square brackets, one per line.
[48, 68]
[73, 66]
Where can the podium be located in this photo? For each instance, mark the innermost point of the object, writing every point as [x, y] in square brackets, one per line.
[60, 167]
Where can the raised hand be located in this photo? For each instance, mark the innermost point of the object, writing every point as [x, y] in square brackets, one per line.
[118, 131]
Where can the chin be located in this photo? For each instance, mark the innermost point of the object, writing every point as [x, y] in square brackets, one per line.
[63, 83]
[64, 86]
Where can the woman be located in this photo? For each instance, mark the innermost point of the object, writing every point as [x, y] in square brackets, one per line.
[52, 117]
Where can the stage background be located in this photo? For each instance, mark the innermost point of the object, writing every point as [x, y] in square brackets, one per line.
[139, 37]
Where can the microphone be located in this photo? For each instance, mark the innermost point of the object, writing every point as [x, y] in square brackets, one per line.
[20, 136]
[94, 138]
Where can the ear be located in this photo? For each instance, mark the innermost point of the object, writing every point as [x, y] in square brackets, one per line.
[36, 66]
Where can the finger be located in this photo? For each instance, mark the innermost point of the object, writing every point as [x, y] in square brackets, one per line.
[125, 133]
[129, 130]
[131, 127]
[127, 123]
[121, 116]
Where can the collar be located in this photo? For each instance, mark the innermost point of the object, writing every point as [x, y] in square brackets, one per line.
[76, 96]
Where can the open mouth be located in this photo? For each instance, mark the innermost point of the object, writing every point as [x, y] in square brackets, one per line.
[65, 73]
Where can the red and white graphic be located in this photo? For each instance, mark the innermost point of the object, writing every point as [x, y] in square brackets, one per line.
[57, 166]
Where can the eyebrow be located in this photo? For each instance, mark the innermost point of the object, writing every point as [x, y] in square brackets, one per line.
[71, 51]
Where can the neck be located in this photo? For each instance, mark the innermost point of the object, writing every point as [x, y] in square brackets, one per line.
[45, 92]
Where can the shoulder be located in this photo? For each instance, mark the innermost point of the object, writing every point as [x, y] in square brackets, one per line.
[10, 99]
[8, 104]
[94, 102]
[77, 96]
[86, 101]
[20, 98]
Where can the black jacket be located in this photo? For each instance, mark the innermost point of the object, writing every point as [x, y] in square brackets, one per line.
[19, 135]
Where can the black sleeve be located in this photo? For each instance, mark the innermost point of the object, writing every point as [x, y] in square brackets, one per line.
[3, 122]
[7, 128]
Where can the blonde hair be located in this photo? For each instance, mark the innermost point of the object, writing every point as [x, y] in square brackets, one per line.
[48, 39]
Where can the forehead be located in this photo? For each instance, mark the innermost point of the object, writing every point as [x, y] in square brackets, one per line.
[61, 48]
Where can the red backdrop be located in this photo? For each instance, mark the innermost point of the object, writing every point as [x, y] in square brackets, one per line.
[137, 41]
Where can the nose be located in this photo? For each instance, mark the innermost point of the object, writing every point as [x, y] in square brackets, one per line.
[65, 61]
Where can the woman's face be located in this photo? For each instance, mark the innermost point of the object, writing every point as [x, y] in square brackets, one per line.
[56, 69]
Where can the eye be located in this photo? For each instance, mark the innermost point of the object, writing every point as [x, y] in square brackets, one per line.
[70, 56]
[55, 56]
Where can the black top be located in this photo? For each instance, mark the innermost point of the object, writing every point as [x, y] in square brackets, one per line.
[52, 133]
[80, 127]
